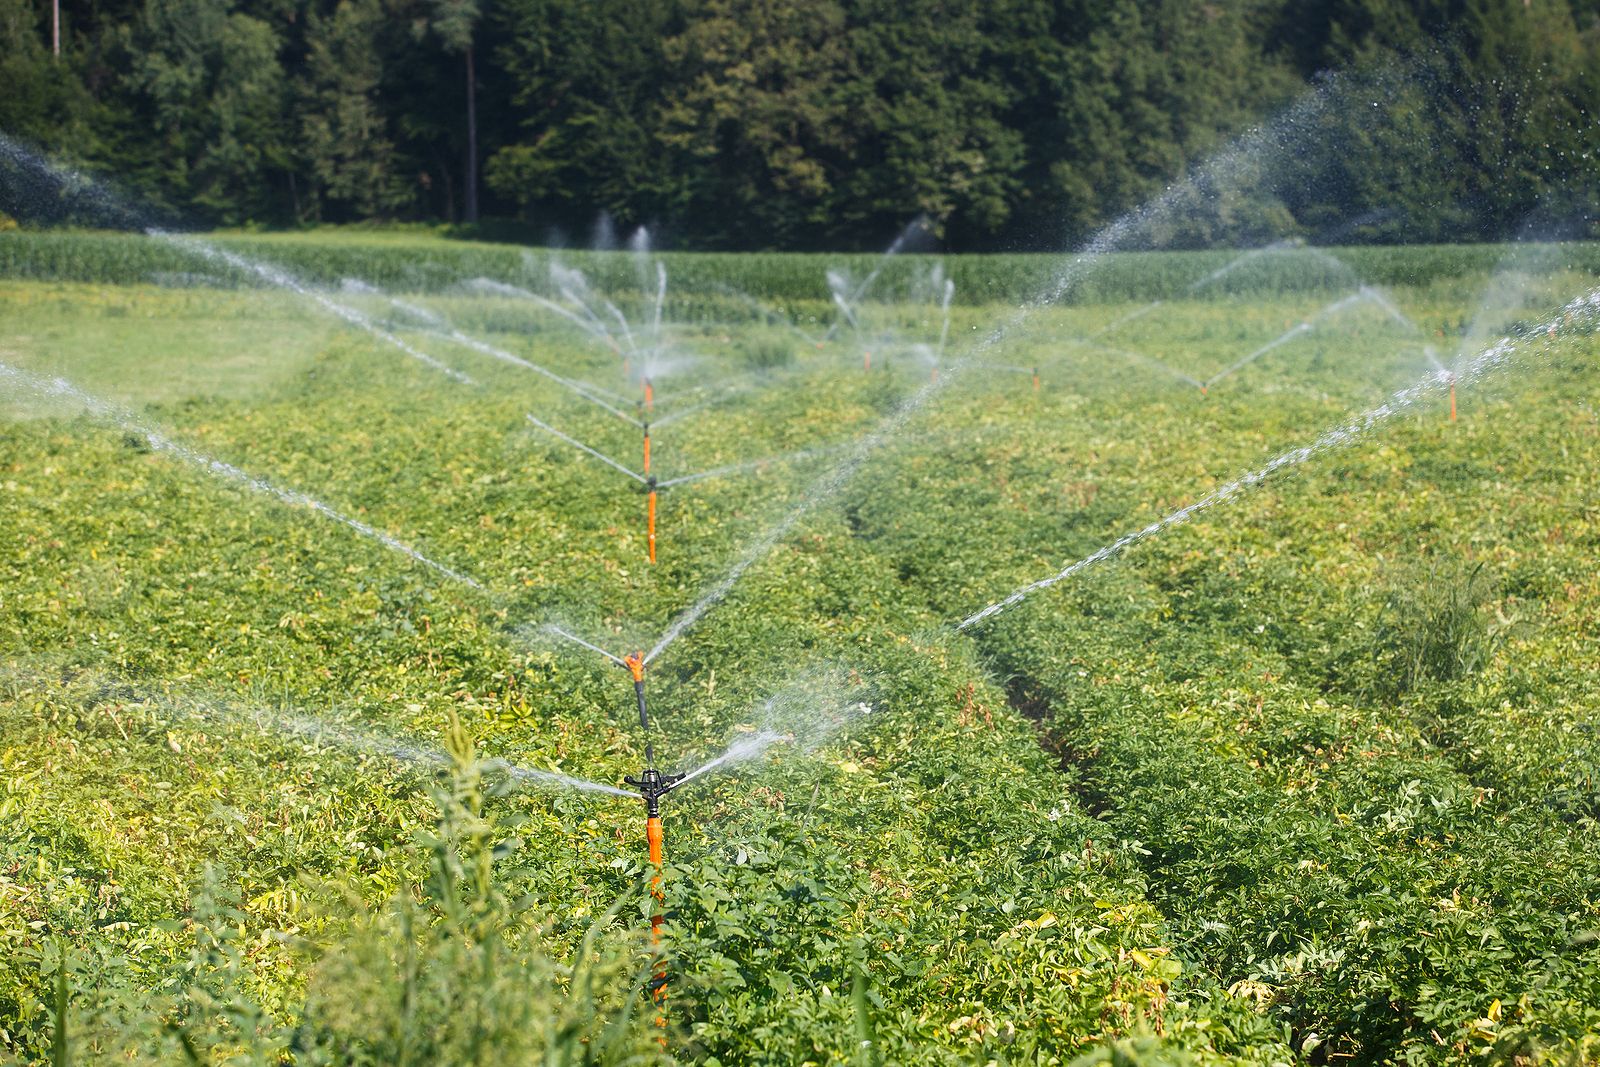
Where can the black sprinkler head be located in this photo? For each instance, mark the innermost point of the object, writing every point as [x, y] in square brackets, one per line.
[652, 786]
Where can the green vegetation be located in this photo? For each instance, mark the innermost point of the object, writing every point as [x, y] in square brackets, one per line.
[823, 124]
[407, 262]
[1312, 777]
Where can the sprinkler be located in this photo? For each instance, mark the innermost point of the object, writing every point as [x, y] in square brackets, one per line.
[1036, 379]
[649, 395]
[1452, 398]
[652, 786]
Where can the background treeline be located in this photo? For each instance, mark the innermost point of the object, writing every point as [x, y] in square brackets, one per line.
[816, 124]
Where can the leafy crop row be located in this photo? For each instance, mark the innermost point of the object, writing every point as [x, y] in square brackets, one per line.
[1222, 834]
[421, 265]
[923, 879]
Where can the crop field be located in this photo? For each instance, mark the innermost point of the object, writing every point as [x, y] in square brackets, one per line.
[305, 757]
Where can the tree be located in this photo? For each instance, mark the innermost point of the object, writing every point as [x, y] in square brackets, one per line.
[44, 101]
[453, 22]
[209, 79]
[345, 131]
[755, 123]
[585, 81]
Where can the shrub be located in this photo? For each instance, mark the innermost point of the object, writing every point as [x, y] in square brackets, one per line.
[768, 352]
[1437, 625]
[451, 972]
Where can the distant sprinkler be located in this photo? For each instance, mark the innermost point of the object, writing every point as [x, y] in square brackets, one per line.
[1452, 398]
[649, 395]
[866, 360]
[652, 786]
[1036, 379]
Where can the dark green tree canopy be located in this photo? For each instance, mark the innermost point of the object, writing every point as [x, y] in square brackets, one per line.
[821, 123]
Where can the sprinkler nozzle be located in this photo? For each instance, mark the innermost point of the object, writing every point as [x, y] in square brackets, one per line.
[652, 786]
[635, 665]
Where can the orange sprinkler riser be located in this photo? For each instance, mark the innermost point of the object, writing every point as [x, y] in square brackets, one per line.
[652, 831]
[1036, 381]
[650, 524]
[866, 361]
[647, 450]
[1452, 400]
[658, 987]
[649, 396]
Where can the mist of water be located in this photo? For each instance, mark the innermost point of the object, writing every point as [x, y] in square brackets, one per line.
[565, 635]
[1586, 307]
[593, 329]
[59, 388]
[575, 443]
[444, 329]
[753, 464]
[1140, 359]
[944, 328]
[1122, 320]
[1217, 172]
[1235, 263]
[769, 313]
[291, 725]
[719, 395]
[1379, 297]
[847, 297]
[1289, 335]
[282, 279]
[805, 714]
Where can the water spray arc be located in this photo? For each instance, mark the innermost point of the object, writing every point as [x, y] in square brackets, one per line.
[646, 479]
[653, 486]
[62, 389]
[1585, 308]
[1297, 330]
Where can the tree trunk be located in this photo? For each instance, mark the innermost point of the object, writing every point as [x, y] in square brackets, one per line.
[472, 140]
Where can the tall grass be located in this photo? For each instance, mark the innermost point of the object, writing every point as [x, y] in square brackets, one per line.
[430, 264]
[452, 971]
[1438, 625]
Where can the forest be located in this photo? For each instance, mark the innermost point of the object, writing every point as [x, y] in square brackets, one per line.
[805, 125]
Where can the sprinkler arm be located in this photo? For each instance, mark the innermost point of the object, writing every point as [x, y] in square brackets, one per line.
[635, 665]
[651, 783]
